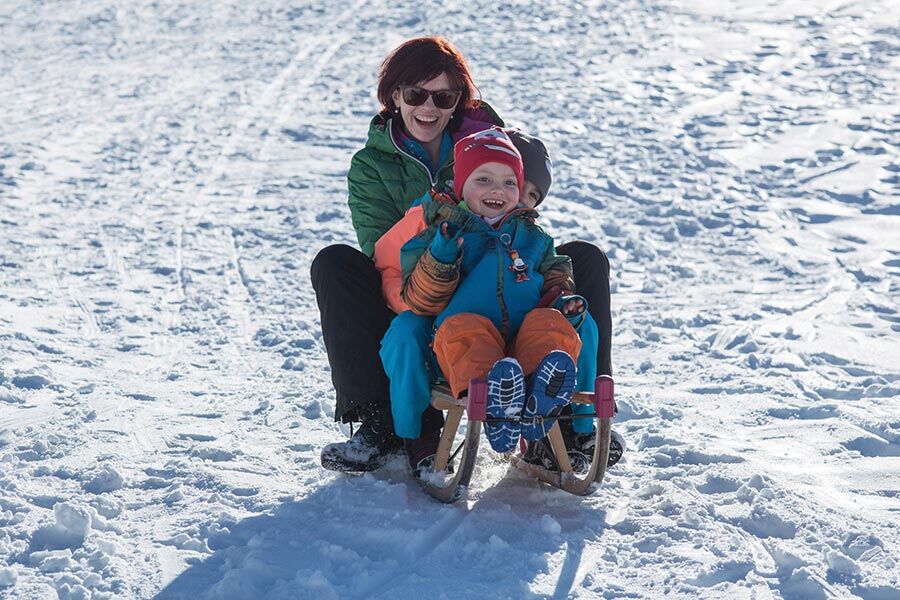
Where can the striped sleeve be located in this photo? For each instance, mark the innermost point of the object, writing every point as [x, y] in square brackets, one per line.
[429, 288]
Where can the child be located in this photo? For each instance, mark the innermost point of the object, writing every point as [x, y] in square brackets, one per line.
[480, 273]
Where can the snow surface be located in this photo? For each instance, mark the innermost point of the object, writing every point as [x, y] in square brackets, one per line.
[169, 170]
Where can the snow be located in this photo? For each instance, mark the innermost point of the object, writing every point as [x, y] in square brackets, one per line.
[169, 170]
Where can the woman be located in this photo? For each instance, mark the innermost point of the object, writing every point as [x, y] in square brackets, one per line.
[427, 103]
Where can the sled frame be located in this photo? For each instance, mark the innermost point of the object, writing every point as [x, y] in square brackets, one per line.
[473, 404]
[602, 399]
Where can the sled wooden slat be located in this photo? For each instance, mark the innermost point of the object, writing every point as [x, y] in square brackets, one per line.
[583, 398]
[451, 425]
[559, 448]
[453, 488]
[442, 399]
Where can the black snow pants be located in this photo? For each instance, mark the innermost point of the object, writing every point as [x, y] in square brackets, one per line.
[355, 317]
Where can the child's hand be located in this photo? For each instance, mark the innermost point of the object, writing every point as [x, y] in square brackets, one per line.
[450, 230]
[573, 308]
[445, 247]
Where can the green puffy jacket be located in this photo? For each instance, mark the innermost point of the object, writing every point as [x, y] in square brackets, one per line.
[384, 180]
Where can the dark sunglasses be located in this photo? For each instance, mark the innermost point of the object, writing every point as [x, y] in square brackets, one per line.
[413, 95]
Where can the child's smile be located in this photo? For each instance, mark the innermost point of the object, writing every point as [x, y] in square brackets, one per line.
[491, 190]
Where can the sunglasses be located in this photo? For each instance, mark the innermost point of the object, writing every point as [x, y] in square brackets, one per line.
[413, 95]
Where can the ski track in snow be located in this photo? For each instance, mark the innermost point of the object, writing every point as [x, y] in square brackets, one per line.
[168, 171]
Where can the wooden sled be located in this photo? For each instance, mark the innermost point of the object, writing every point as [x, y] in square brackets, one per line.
[451, 488]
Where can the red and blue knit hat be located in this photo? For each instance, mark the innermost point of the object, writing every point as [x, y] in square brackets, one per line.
[490, 145]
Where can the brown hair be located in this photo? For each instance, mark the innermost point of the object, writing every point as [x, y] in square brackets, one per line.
[419, 60]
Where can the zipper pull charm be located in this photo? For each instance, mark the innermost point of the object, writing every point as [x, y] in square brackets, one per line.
[518, 266]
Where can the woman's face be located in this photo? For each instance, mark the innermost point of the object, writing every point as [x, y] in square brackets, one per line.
[426, 123]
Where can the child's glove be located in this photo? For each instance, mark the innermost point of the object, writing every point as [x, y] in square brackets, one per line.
[572, 307]
[445, 245]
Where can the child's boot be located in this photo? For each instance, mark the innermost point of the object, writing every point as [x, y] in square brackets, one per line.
[505, 398]
[549, 390]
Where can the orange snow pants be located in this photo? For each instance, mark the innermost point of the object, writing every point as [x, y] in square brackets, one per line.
[467, 344]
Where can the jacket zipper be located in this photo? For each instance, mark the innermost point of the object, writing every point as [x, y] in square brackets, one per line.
[500, 272]
[504, 314]
[433, 180]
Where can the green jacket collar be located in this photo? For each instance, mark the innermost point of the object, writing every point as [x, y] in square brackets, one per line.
[379, 129]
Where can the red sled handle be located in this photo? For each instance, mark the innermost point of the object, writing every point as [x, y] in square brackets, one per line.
[476, 400]
[604, 397]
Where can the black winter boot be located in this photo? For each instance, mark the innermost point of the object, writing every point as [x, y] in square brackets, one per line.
[367, 450]
[580, 447]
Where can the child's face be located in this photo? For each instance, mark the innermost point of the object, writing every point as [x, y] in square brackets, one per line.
[491, 190]
[531, 195]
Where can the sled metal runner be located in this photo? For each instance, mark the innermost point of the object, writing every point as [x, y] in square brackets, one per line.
[474, 407]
